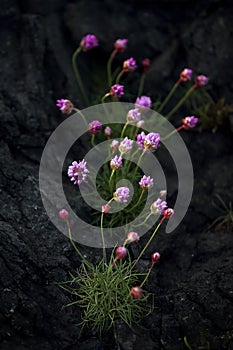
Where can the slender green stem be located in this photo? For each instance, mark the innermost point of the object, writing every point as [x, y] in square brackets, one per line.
[147, 275]
[123, 130]
[129, 162]
[139, 200]
[72, 242]
[111, 177]
[93, 140]
[104, 97]
[109, 68]
[172, 133]
[77, 75]
[119, 76]
[102, 235]
[148, 243]
[161, 107]
[182, 100]
[144, 220]
[83, 117]
[141, 84]
[139, 161]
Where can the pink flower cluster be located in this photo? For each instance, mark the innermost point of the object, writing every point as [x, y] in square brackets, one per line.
[78, 172]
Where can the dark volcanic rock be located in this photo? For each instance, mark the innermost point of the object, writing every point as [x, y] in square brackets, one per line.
[193, 280]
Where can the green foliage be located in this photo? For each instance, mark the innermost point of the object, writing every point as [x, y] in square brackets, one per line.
[103, 292]
[225, 220]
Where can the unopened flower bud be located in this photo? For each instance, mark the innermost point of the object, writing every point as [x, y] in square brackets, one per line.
[163, 194]
[168, 213]
[155, 257]
[95, 127]
[114, 145]
[133, 116]
[132, 237]
[106, 208]
[88, 42]
[145, 64]
[189, 122]
[136, 292]
[140, 124]
[120, 253]
[63, 214]
[201, 80]
[108, 131]
[120, 45]
[65, 106]
[186, 75]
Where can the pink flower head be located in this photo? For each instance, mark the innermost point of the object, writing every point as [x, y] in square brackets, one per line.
[146, 182]
[129, 65]
[145, 64]
[65, 106]
[95, 127]
[186, 75]
[152, 141]
[120, 253]
[106, 208]
[88, 42]
[120, 45]
[140, 124]
[121, 194]
[158, 207]
[168, 213]
[133, 116]
[143, 102]
[78, 172]
[63, 214]
[116, 163]
[140, 139]
[108, 131]
[114, 145]
[117, 90]
[132, 237]
[201, 80]
[125, 145]
[136, 292]
[189, 122]
[155, 257]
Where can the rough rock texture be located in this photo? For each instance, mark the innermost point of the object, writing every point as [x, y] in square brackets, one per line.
[192, 282]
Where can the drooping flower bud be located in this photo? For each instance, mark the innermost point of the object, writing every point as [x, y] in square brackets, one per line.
[106, 208]
[155, 257]
[120, 253]
[132, 237]
[145, 64]
[63, 214]
[201, 80]
[136, 292]
[168, 213]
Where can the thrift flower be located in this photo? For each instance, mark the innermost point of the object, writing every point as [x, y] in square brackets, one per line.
[88, 42]
[145, 64]
[143, 102]
[186, 75]
[63, 213]
[136, 292]
[120, 45]
[126, 145]
[129, 65]
[155, 257]
[201, 80]
[120, 253]
[133, 116]
[158, 207]
[132, 237]
[152, 141]
[163, 194]
[140, 139]
[116, 163]
[78, 172]
[108, 131]
[95, 126]
[114, 145]
[189, 122]
[121, 194]
[65, 106]
[146, 182]
[168, 213]
[106, 208]
[117, 90]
